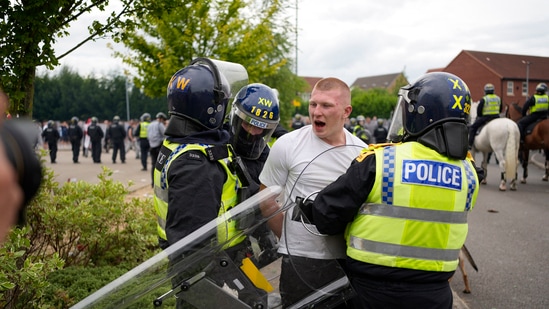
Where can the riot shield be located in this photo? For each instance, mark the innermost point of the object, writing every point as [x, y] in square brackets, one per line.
[201, 272]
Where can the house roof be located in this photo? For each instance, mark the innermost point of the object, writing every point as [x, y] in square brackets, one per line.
[378, 81]
[311, 81]
[510, 66]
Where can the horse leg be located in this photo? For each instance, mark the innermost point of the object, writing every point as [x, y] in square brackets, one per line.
[503, 182]
[546, 176]
[484, 166]
[524, 154]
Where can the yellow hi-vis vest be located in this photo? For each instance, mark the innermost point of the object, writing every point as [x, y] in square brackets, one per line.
[143, 129]
[415, 217]
[492, 104]
[226, 230]
[542, 103]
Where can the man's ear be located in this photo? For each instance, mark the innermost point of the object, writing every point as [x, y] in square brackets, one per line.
[348, 110]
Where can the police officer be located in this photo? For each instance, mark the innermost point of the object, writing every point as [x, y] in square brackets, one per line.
[193, 179]
[141, 133]
[360, 131]
[537, 105]
[95, 132]
[489, 108]
[51, 136]
[116, 133]
[254, 119]
[188, 184]
[404, 206]
[380, 133]
[75, 136]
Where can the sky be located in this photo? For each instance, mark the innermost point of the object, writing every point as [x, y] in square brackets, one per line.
[350, 39]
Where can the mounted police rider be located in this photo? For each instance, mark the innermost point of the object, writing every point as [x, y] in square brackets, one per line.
[489, 108]
[537, 105]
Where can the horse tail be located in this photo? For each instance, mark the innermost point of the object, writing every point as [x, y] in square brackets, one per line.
[511, 150]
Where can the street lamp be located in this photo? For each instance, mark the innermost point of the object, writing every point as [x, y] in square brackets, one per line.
[527, 74]
[127, 100]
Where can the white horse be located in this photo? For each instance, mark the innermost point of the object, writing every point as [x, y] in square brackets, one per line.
[502, 137]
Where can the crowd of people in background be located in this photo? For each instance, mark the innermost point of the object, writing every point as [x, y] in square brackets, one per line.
[93, 138]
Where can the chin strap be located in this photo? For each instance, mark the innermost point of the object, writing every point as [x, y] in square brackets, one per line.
[449, 139]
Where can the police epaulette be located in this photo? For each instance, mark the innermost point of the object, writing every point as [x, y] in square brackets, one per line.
[216, 153]
[371, 150]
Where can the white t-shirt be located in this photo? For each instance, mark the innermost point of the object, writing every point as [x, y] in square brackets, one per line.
[301, 158]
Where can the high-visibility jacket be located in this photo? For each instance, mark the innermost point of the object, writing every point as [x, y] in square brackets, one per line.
[143, 126]
[541, 104]
[415, 217]
[492, 105]
[227, 228]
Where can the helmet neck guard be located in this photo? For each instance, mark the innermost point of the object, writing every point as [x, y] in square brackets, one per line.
[448, 139]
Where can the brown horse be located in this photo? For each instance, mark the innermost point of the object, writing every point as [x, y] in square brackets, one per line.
[538, 138]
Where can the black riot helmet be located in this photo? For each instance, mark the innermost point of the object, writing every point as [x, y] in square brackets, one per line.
[434, 110]
[200, 93]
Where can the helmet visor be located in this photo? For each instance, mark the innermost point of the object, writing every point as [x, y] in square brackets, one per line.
[250, 135]
[396, 129]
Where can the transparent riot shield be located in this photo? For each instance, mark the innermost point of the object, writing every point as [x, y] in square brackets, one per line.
[201, 272]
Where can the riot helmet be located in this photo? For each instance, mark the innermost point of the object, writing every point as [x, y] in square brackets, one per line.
[116, 119]
[50, 123]
[437, 100]
[161, 115]
[489, 89]
[541, 88]
[146, 117]
[200, 93]
[254, 117]
[352, 121]
[74, 120]
[94, 120]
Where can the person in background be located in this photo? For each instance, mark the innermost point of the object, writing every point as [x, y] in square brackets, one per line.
[155, 135]
[297, 122]
[404, 229]
[537, 105]
[51, 136]
[96, 134]
[116, 134]
[488, 109]
[370, 124]
[75, 137]
[380, 134]
[360, 131]
[141, 133]
[130, 134]
[303, 162]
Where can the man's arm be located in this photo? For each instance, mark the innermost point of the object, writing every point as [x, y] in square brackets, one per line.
[268, 210]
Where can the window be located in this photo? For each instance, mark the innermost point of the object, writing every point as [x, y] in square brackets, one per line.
[524, 89]
[510, 88]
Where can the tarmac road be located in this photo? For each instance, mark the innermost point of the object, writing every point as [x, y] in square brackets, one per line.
[65, 170]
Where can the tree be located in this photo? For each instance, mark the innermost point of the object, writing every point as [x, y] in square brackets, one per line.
[166, 36]
[67, 94]
[373, 102]
[28, 31]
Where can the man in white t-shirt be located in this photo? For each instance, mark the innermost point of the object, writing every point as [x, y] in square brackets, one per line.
[303, 162]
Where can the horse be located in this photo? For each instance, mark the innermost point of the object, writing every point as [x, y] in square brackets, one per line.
[502, 137]
[537, 138]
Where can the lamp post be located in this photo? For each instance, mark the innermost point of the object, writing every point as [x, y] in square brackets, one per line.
[127, 101]
[527, 74]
